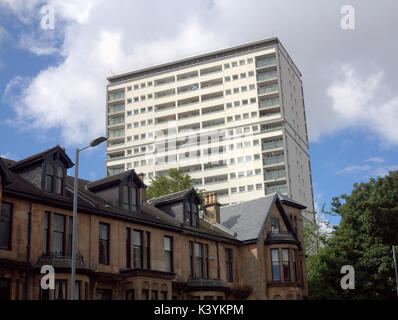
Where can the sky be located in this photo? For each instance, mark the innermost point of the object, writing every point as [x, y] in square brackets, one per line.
[53, 72]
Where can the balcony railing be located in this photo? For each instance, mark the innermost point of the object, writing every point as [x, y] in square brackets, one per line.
[269, 102]
[273, 175]
[273, 160]
[267, 89]
[280, 189]
[115, 95]
[266, 75]
[272, 145]
[116, 108]
[261, 63]
[114, 121]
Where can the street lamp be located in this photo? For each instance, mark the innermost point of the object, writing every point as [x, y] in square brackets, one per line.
[93, 143]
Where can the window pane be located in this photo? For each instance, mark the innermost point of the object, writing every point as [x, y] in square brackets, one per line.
[103, 231]
[4, 234]
[59, 223]
[286, 264]
[276, 275]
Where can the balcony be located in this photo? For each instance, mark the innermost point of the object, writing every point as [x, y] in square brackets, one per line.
[282, 188]
[268, 89]
[212, 96]
[188, 101]
[117, 133]
[187, 75]
[116, 121]
[270, 112]
[112, 96]
[274, 174]
[159, 82]
[211, 83]
[189, 114]
[115, 155]
[216, 179]
[213, 109]
[270, 127]
[61, 261]
[188, 88]
[165, 106]
[264, 76]
[270, 102]
[272, 144]
[265, 62]
[116, 108]
[115, 170]
[165, 93]
[273, 160]
[213, 123]
[210, 70]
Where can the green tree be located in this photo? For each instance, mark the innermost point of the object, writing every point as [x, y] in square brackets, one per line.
[176, 180]
[363, 239]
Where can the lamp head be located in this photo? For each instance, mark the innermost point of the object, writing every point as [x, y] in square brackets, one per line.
[97, 141]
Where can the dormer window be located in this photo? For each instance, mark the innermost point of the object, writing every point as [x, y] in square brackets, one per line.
[53, 179]
[274, 225]
[59, 179]
[191, 213]
[129, 197]
[49, 175]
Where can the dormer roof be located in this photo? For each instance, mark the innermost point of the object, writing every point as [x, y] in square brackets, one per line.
[39, 157]
[175, 196]
[5, 177]
[114, 180]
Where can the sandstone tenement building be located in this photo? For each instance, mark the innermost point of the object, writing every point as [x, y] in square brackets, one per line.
[129, 247]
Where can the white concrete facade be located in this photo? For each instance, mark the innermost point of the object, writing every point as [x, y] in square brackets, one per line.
[233, 119]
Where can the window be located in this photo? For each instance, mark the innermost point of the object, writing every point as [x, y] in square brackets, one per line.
[191, 258]
[191, 213]
[59, 180]
[104, 294]
[5, 289]
[276, 272]
[198, 260]
[145, 294]
[228, 264]
[138, 253]
[154, 295]
[163, 295]
[129, 196]
[148, 250]
[5, 225]
[48, 182]
[46, 236]
[78, 291]
[70, 234]
[59, 234]
[130, 294]
[286, 264]
[104, 243]
[206, 271]
[274, 225]
[128, 249]
[168, 253]
[294, 259]
[60, 290]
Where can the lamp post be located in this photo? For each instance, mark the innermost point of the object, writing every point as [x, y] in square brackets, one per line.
[93, 143]
[395, 266]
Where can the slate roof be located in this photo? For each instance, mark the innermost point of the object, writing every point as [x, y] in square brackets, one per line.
[247, 226]
[39, 156]
[171, 197]
[90, 202]
[115, 178]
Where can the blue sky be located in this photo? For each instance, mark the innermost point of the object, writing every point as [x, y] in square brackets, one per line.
[52, 82]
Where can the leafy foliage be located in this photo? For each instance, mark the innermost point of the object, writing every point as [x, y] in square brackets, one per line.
[364, 239]
[176, 180]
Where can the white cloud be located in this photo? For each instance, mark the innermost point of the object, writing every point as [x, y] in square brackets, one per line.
[375, 160]
[354, 169]
[361, 102]
[95, 38]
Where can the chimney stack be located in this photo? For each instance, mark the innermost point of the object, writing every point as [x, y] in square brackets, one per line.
[211, 208]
